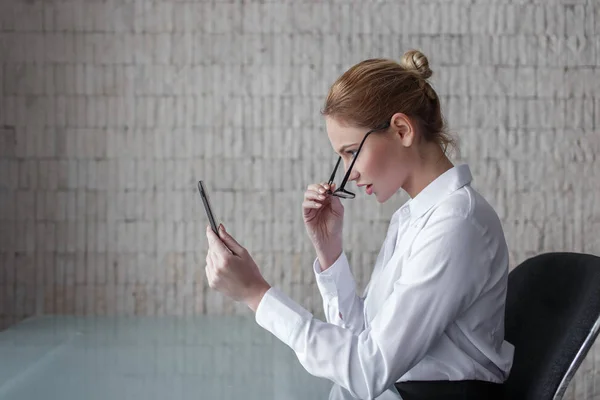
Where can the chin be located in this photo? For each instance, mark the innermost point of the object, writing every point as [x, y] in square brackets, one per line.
[382, 198]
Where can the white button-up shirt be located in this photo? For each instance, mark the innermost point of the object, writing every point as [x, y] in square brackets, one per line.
[433, 309]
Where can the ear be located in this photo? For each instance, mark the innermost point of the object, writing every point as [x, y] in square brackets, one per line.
[402, 126]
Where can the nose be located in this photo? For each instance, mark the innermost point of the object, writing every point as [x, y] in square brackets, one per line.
[354, 174]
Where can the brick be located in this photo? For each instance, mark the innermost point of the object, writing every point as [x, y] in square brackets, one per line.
[3, 77]
[574, 16]
[27, 175]
[164, 111]
[525, 82]
[520, 19]
[580, 113]
[544, 114]
[581, 82]
[230, 18]
[62, 16]
[593, 18]
[153, 17]
[160, 45]
[454, 18]
[483, 50]
[484, 18]
[48, 174]
[117, 49]
[277, 17]
[7, 19]
[579, 51]
[183, 17]
[551, 82]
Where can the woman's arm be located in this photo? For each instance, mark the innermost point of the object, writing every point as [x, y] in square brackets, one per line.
[341, 304]
[448, 267]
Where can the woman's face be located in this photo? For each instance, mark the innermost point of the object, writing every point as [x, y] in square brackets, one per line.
[385, 160]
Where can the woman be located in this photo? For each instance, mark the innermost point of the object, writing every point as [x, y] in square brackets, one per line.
[431, 320]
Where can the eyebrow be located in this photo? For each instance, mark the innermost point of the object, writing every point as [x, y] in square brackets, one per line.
[344, 147]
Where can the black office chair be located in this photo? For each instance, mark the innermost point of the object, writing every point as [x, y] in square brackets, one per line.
[552, 310]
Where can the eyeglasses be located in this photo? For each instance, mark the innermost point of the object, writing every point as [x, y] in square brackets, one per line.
[341, 191]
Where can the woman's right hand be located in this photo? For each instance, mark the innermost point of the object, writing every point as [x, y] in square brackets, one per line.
[323, 217]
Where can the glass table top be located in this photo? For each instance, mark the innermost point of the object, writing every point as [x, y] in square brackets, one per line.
[200, 357]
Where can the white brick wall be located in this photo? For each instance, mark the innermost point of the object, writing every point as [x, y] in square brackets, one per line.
[110, 111]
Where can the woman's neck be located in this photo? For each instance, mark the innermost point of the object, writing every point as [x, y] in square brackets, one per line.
[429, 170]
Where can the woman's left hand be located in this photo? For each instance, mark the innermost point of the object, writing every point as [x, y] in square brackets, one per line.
[231, 270]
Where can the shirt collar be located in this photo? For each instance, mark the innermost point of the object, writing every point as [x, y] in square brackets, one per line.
[448, 182]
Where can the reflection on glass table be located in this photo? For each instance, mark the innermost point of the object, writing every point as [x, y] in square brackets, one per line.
[203, 357]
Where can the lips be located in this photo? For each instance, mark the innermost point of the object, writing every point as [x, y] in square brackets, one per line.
[369, 189]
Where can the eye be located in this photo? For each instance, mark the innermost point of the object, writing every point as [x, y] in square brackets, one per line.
[351, 152]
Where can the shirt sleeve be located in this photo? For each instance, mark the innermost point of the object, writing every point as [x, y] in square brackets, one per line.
[444, 274]
[341, 303]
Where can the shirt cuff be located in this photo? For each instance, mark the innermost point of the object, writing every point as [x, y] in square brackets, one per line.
[281, 315]
[337, 280]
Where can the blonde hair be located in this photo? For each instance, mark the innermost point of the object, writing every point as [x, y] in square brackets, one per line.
[370, 92]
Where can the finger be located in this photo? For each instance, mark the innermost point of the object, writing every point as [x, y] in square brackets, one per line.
[311, 204]
[230, 242]
[315, 187]
[216, 244]
[329, 188]
[319, 187]
[325, 187]
[322, 187]
[312, 195]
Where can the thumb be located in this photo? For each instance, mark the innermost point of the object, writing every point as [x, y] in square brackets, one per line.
[233, 245]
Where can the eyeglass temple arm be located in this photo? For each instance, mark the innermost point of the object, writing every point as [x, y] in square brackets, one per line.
[337, 164]
[343, 184]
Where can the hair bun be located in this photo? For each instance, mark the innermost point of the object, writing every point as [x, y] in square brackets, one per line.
[414, 60]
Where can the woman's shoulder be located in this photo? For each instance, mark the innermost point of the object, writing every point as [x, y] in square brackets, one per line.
[468, 203]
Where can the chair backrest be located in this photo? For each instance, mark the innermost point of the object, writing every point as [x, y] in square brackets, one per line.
[552, 309]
